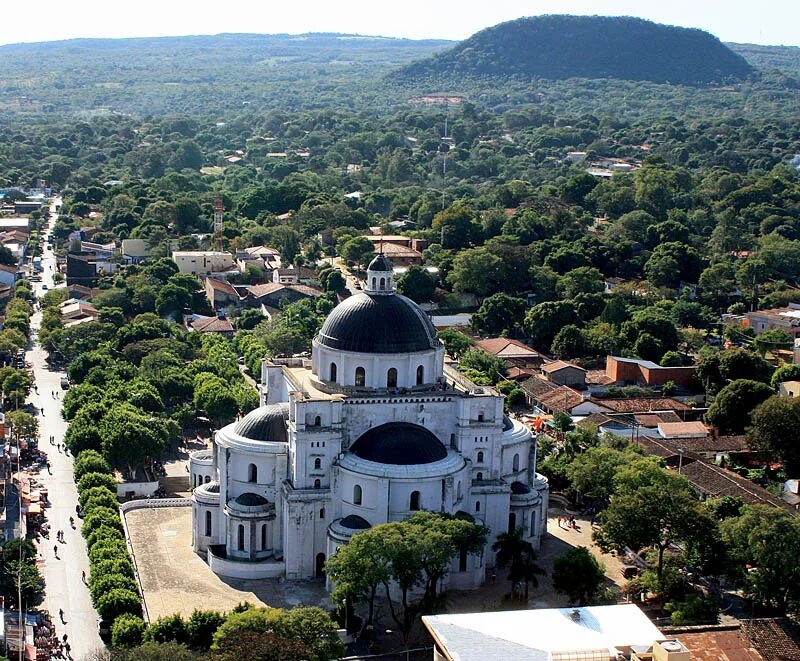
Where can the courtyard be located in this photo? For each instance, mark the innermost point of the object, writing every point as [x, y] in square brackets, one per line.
[174, 579]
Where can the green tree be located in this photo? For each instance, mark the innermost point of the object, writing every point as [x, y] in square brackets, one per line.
[582, 280]
[23, 426]
[260, 646]
[764, 544]
[730, 411]
[592, 472]
[455, 343]
[499, 314]
[417, 284]
[775, 431]
[89, 461]
[118, 601]
[212, 395]
[578, 575]
[569, 343]
[476, 271]
[168, 629]
[457, 225]
[772, 340]
[127, 631]
[201, 626]
[543, 321]
[517, 554]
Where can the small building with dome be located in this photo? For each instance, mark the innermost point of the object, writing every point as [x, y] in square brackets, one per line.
[373, 427]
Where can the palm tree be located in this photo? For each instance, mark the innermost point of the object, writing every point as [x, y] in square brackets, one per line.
[519, 556]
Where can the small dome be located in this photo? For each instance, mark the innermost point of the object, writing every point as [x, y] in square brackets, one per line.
[354, 522]
[210, 487]
[380, 263]
[367, 323]
[251, 500]
[399, 443]
[266, 423]
[507, 424]
[520, 488]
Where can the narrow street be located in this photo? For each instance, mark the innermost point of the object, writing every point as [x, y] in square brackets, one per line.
[64, 586]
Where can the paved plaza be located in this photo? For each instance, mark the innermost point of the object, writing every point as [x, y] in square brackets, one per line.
[175, 579]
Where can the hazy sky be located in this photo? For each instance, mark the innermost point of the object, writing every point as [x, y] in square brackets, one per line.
[755, 21]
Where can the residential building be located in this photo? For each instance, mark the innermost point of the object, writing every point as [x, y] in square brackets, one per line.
[220, 293]
[203, 262]
[789, 389]
[513, 352]
[564, 374]
[262, 258]
[541, 634]
[370, 429]
[634, 371]
[272, 294]
[74, 310]
[401, 250]
[218, 324]
[135, 251]
[786, 318]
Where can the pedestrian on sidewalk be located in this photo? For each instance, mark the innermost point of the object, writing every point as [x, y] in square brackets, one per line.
[42, 412]
[55, 550]
[49, 472]
[83, 576]
[61, 614]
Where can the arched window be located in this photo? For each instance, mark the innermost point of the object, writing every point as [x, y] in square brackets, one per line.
[361, 377]
[420, 375]
[391, 378]
[317, 421]
[480, 456]
[383, 284]
[515, 463]
[458, 491]
[373, 283]
[208, 479]
[252, 473]
[357, 494]
[333, 372]
[263, 536]
[512, 522]
[317, 464]
[479, 476]
[414, 505]
[322, 513]
[477, 505]
[240, 544]
[317, 484]
[208, 524]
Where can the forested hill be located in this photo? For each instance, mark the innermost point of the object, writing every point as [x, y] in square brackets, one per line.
[560, 47]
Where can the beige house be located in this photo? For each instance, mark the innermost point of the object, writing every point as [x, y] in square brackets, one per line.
[789, 389]
[203, 262]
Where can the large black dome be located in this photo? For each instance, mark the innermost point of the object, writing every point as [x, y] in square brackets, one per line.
[266, 423]
[399, 443]
[378, 324]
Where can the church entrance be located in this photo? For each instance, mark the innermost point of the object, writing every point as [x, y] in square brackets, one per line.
[320, 570]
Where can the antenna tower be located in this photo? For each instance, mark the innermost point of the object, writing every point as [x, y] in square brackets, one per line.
[218, 209]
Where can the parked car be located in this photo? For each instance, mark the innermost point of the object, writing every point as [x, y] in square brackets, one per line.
[65, 382]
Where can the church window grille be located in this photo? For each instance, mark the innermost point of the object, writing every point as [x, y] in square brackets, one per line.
[480, 457]
[317, 484]
[317, 464]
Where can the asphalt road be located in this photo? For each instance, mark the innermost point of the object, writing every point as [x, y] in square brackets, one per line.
[64, 586]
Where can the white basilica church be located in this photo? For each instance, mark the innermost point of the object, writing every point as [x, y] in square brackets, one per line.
[371, 429]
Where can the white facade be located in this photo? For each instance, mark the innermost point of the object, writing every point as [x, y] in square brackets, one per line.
[379, 437]
[203, 262]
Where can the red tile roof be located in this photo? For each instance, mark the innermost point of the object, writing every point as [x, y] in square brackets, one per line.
[720, 645]
[212, 325]
[559, 365]
[774, 638]
[641, 404]
[506, 348]
[717, 482]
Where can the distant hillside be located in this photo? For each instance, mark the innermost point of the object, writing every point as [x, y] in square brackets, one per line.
[560, 47]
[783, 58]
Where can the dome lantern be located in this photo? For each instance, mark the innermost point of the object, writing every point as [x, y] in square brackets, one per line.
[380, 276]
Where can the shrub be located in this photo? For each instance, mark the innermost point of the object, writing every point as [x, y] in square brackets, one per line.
[95, 492]
[170, 629]
[90, 480]
[101, 533]
[110, 605]
[101, 516]
[119, 566]
[127, 630]
[201, 627]
[100, 498]
[695, 610]
[100, 583]
[111, 549]
[89, 461]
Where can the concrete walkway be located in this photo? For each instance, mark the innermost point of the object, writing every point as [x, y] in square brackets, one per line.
[64, 586]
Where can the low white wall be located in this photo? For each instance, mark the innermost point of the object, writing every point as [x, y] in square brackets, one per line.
[234, 569]
[137, 489]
